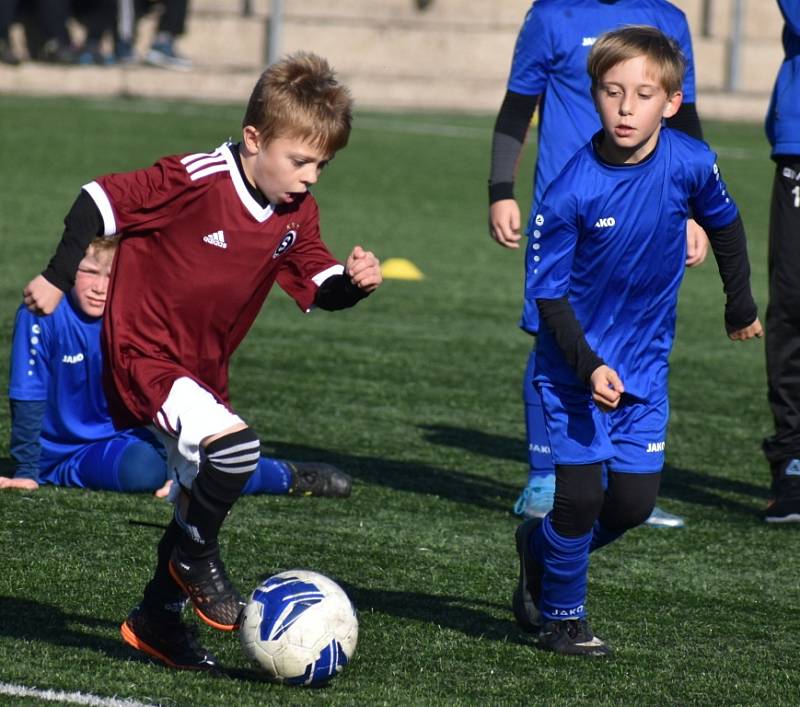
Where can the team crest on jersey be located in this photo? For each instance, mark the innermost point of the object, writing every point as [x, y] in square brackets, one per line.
[287, 241]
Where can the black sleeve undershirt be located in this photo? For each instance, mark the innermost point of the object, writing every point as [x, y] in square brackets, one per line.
[687, 121]
[559, 318]
[730, 251]
[338, 292]
[82, 225]
[510, 130]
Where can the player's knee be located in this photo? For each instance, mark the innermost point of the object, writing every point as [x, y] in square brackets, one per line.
[235, 453]
[141, 468]
[630, 500]
[578, 499]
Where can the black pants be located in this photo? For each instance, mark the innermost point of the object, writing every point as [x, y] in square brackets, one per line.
[783, 313]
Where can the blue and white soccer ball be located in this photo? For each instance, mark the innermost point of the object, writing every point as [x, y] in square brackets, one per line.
[300, 627]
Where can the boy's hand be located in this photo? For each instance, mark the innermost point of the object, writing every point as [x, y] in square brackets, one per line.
[19, 484]
[696, 244]
[41, 296]
[504, 222]
[607, 388]
[749, 332]
[363, 269]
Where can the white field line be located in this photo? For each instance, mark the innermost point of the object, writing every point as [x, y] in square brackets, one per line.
[70, 698]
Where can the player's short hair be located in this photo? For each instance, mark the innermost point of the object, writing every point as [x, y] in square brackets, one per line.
[299, 97]
[103, 245]
[631, 41]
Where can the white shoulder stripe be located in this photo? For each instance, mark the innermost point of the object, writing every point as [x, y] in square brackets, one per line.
[320, 277]
[204, 162]
[199, 155]
[210, 170]
[100, 198]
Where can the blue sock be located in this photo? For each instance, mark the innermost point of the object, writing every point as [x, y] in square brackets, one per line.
[602, 536]
[566, 571]
[271, 476]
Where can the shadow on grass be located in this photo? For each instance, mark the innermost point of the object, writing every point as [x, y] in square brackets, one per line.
[464, 615]
[28, 620]
[458, 486]
[489, 445]
[712, 491]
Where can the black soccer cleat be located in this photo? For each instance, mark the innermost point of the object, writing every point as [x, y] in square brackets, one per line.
[571, 637]
[784, 507]
[525, 601]
[163, 636]
[216, 601]
[317, 479]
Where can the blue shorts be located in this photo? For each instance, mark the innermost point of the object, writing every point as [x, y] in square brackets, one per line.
[629, 439]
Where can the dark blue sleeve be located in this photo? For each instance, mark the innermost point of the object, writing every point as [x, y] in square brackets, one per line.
[26, 427]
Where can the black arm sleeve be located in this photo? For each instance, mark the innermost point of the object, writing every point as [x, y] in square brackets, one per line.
[82, 225]
[337, 292]
[559, 317]
[730, 251]
[510, 130]
[687, 121]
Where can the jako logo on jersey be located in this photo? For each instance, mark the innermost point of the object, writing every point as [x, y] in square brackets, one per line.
[539, 448]
[539, 220]
[72, 358]
[655, 446]
[286, 242]
[217, 238]
[605, 222]
[588, 41]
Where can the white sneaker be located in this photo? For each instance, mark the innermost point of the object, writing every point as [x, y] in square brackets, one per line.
[536, 499]
[659, 518]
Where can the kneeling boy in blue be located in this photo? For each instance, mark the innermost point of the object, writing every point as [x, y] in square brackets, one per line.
[61, 430]
[604, 264]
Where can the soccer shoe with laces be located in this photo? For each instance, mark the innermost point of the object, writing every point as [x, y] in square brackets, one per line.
[316, 479]
[216, 601]
[163, 636]
[525, 600]
[571, 637]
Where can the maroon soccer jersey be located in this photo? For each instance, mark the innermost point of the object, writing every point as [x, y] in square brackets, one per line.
[197, 259]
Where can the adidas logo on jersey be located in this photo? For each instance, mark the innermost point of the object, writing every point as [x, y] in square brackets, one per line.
[217, 238]
[605, 222]
[655, 446]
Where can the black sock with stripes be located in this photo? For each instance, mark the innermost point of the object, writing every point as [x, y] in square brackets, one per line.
[229, 463]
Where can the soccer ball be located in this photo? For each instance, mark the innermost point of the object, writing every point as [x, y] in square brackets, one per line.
[300, 627]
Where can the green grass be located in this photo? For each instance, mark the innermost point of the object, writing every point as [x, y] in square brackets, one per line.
[416, 392]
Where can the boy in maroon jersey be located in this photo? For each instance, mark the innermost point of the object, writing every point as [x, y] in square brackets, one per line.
[205, 237]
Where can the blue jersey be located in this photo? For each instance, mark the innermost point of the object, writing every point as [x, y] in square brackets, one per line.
[783, 117]
[57, 359]
[550, 60]
[612, 238]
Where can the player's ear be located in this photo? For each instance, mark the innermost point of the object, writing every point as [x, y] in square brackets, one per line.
[673, 104]
[250, 139]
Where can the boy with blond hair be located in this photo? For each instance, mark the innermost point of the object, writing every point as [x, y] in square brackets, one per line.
[206, 235]
[603, 266]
